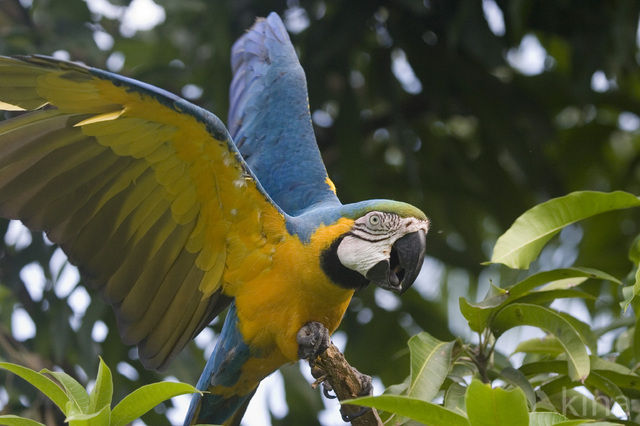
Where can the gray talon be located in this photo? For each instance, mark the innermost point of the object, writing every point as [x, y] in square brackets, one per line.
[313, 339]
[326, 391]
[349, 417]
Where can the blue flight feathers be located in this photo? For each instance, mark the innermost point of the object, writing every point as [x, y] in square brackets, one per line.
[269, 119]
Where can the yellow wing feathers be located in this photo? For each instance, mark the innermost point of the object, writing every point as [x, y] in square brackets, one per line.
[142, 196]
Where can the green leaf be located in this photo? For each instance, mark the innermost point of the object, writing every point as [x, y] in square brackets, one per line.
[454, 398]
[602, 365]
[618, 374]
[545, 419]
[11, 420]
[415, 409]
[548, 345]
[544, 367]
[636, 340]
[564, 284]
[600, 423]
[398, 389]
[145, 398]
[44, 384]
[75, 391]
[430, 363]
[609, 388]
[477, 314]
[628, 293]
[584, 331]
[634, 251]
[558, 384]
[99, 418]
[516, 378]
[636, 283]
[559, 390]
[549, 320]
[102, 392]
[574, 403]
[526, 237]
[488, 406]
[548, 296]
[557, 278]
[630, 383]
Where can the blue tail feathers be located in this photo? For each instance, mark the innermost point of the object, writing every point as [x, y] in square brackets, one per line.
[222, 369]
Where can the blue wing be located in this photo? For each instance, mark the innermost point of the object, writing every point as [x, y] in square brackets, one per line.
[269, 118]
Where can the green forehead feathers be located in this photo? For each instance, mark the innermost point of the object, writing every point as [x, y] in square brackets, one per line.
[354, 211]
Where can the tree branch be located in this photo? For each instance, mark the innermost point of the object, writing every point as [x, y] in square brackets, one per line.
[331, 367]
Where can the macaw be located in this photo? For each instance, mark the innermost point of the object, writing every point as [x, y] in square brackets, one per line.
[173, 218]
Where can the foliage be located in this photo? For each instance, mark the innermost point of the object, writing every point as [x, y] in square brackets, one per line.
[83, 408]
[475, 142]
[522, 243]
[562, 375]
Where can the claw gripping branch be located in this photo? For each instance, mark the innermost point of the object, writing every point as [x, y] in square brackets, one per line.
[330, 367]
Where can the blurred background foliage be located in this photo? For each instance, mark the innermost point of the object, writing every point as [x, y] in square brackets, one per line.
[472, 110]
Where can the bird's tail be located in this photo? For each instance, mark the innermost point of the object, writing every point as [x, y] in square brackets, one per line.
[215, 409]
[222, 371]
[235, 419]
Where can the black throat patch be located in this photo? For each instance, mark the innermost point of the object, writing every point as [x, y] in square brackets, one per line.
[337, 272]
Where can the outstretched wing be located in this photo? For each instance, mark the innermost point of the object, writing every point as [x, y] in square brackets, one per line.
[143, 190]
[269, 118]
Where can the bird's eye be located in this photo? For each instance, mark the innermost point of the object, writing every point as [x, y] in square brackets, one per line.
[374, 220]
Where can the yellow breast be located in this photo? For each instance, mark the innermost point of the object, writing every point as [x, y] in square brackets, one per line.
[274, 304]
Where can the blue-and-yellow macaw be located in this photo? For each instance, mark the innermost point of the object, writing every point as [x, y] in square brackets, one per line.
[173, 218]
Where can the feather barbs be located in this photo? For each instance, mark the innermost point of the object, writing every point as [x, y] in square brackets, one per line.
[107, 116]
[143, 190]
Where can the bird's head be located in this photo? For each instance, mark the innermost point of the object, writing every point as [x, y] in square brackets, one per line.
[385, 246]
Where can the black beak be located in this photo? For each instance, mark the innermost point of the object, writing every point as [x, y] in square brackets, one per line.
[400, 271]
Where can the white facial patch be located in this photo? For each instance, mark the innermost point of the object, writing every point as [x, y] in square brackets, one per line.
[361, 255]
[372, 237]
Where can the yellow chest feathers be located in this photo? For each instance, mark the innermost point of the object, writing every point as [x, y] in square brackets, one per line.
[275, 303]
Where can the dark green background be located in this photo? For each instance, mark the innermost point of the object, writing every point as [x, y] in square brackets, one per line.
[479, 144]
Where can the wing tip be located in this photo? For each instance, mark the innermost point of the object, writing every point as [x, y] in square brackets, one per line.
[4, 106]
[270, 27]
[277, 27]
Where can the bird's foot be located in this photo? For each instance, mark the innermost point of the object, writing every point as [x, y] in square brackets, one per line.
[313, 339]
[365, 384]
[322, 379]
[326, 387]
[350, 412]
[348, 418]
